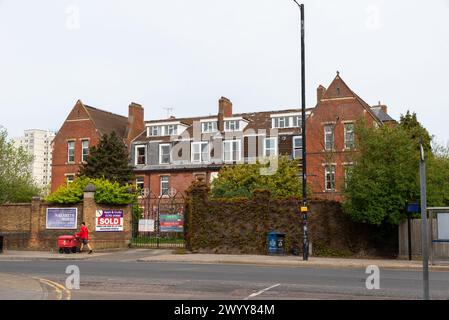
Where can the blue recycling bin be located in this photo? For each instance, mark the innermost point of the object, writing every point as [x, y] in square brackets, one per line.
[276, 243]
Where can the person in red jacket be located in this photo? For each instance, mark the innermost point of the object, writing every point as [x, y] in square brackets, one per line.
[84, 237]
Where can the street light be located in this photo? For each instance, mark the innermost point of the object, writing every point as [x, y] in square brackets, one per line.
[304, 207]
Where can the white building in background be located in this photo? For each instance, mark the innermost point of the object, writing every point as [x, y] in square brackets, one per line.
[38, 143]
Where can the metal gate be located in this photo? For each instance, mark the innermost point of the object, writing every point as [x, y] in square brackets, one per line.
[161, 224]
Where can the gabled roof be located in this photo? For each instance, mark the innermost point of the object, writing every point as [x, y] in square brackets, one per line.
[338, 89]
[106, 122]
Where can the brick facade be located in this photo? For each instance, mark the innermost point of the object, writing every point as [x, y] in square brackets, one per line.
[85, 123]
[337, 107]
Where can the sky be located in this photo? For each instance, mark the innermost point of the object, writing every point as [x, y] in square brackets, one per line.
[185, 55]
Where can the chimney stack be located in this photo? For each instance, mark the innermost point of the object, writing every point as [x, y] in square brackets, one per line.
[224, 111]
[320, 93]
[383, 107]
[136, 122]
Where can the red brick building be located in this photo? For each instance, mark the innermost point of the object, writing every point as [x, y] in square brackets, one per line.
[83, 129]
[171, 153]
[330, 136]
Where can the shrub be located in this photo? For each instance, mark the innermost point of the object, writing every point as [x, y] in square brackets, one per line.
[106, 192]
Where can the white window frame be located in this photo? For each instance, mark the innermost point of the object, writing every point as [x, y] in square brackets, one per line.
[232, 151]
[347, 168]
[209, 127]
[154, 129]
[68, 150]
[296, 148]
[333, 170]
[161, 182]
[83, 149]
[200, 144]
[140, 183]
[265, 147]
[171, 130]
[331, 127]
[160, 153]
[72, 175]
[136, 160]
[232, 128]
[353, 136]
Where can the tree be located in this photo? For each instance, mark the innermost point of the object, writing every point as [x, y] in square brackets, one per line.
[386, 173]
[16, 181]
[241, 180]
[410, 123]
[109, 160]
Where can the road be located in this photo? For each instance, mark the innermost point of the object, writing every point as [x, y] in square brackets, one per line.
[103, 279]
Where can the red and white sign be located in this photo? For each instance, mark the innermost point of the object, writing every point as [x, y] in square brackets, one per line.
[109, 220]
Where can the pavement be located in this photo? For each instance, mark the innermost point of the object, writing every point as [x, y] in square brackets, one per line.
[11, 255]
[169, 256]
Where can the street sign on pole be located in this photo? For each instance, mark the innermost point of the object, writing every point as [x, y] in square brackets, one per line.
[425, 247]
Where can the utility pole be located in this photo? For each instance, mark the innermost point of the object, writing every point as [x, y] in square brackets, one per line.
[425, 247]
[304, 207]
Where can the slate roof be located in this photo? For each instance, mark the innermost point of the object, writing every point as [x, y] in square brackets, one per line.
[106, 122]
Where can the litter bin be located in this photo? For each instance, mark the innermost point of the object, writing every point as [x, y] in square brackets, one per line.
[1, 244]
[275, 243]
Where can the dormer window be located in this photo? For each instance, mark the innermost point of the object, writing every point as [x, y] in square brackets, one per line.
[232, 125]
[171, 129]
[140, 155]
[163, 130]
[155, 131]
[208, 127]
[293, 121]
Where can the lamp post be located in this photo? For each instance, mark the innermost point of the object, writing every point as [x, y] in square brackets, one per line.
[304, 207]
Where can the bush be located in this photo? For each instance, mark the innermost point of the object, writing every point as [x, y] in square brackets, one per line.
[242, 180]
[107, 192]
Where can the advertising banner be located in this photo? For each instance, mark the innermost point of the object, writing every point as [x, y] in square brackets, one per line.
[61, 218]
[172, 222]
[109, 220]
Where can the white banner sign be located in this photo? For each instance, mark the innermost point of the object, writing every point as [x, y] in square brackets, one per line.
[146, 225]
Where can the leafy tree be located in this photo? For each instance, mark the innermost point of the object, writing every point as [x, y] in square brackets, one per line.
[109, 160]
[410, 123]
[110, 193]
[386, 173]
[241, 180]
[16, 181]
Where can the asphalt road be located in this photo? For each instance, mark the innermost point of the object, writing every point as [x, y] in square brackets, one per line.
[137, 280]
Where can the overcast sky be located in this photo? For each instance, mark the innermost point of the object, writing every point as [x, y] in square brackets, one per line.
[186, 54]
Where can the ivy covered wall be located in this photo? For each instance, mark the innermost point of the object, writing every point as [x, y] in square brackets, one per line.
[241, 225]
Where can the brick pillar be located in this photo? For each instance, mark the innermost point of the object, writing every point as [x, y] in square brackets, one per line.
[33, 242]
[89, 209]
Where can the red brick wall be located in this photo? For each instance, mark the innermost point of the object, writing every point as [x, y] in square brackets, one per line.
[338, 111]
[180, 181]
[77, 127]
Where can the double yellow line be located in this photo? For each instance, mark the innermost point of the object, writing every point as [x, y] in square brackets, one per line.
[62, 293]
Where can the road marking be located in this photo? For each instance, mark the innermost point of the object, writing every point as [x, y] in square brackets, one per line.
[59, 289]
[261, 291]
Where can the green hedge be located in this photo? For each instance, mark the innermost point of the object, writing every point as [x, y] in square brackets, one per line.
[107, 192]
